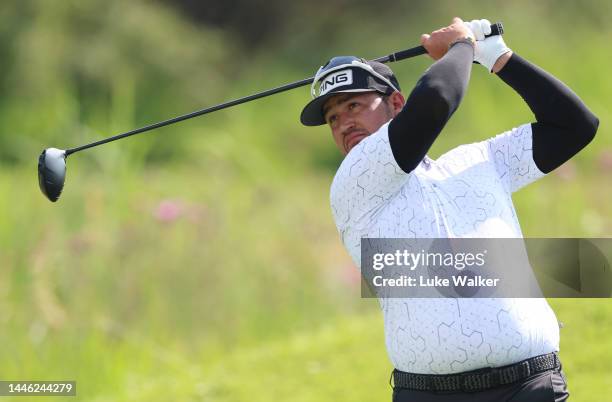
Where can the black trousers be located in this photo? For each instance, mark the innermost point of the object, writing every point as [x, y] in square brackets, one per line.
[549, 386]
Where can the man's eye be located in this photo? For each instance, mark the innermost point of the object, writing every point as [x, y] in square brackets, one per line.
[331, 119]
[353, 105]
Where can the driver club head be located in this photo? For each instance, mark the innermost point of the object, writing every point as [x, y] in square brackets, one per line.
[52, 172]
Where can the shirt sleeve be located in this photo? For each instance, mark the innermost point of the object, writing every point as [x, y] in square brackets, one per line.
[512, 154]
[368, 177]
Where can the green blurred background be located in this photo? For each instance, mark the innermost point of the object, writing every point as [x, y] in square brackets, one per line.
[200, 262]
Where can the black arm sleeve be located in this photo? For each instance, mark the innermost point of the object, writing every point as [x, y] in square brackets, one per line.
[431, 103]
[564, 124]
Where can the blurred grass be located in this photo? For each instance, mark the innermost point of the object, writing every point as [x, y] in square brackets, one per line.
[201, 262]
[252, 286]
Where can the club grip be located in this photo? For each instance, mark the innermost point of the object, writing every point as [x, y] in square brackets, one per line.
[496, 29]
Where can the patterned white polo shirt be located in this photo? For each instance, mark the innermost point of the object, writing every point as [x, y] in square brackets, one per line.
[465, 193]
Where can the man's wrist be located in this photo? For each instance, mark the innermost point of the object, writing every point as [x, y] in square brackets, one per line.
[466, 39]
[501, 62]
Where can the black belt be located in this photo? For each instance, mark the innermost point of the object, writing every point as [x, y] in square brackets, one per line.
[478, 380]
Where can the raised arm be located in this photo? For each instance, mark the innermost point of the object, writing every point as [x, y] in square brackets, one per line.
[435, 97]
[564, 125]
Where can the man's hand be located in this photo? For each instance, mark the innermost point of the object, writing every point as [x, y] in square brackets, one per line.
[491, 52]
[437, 42]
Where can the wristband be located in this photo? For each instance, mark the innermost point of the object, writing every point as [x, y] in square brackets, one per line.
[465, 39]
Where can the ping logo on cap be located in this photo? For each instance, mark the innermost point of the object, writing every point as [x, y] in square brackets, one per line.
[337, 79]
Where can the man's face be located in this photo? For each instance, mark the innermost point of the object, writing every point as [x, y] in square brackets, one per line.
[354, 116]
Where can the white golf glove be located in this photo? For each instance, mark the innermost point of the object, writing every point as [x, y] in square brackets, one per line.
[488, 50]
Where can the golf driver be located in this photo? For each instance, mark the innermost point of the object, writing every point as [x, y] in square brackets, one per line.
[52, 161]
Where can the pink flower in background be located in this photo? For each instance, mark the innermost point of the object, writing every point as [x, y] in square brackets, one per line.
[604, 160]
[350, 275]
[168, 211]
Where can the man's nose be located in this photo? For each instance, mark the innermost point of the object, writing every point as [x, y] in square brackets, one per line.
[345, 121]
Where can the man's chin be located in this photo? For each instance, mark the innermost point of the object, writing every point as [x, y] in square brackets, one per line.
[353, 143]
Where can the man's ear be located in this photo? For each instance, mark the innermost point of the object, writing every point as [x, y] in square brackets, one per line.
[397, 102]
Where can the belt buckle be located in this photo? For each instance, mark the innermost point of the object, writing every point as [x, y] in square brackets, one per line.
[524, 369]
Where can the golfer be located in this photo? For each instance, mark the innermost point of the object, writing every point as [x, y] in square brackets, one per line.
[450, 349]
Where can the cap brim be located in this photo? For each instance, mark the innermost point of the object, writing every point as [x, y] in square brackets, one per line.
[312, 114]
